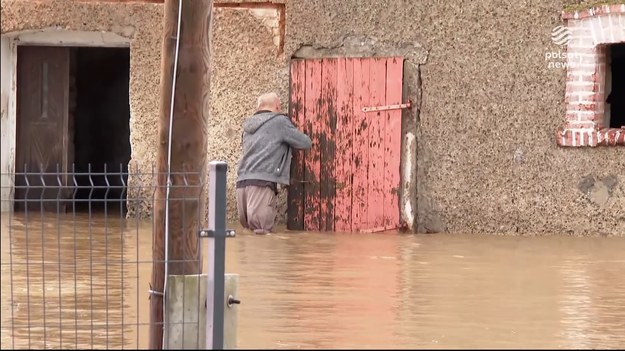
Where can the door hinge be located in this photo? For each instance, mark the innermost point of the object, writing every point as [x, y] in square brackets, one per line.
[407, 105]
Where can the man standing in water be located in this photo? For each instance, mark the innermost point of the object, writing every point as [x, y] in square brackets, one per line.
[268, 137]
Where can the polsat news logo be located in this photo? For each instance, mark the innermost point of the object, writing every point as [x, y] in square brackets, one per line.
[560, 59]
[561, 35]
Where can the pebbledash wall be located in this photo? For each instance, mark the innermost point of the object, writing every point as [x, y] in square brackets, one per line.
[137, 24]
[133, 24]
[489, 112]
[485, 145]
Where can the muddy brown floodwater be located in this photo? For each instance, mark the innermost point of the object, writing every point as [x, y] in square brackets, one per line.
[87, 280]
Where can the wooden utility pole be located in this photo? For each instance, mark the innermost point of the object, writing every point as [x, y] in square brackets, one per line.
[187, 198]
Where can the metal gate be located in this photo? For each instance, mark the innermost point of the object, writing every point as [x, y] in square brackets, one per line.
[351, 109]
[76, 269]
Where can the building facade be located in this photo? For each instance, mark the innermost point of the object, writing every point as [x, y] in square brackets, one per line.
[502, 124]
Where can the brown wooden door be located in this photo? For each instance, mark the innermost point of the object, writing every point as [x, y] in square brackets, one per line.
[42, 156]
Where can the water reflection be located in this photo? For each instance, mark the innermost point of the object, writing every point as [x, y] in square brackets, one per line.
[592, 304]
[441, 291]
[83, 287]
[66, 290]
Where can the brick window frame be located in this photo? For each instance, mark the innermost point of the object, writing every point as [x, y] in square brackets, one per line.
[592, 30]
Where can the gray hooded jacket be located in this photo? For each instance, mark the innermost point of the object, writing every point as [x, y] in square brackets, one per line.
[267, 141]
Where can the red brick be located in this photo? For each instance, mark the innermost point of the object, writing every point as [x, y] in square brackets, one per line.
[595, 87]
[616, 8]
[593, 137]
[581, 107]
[586, 75]
[588, 78]
[585, 97]
[583, 51]
[611, 136]
[584, 138]
[572, 88]
[575, 124]
[583, 68]
[581, 43]
[585, 59]
[584, 117]
[593, 12]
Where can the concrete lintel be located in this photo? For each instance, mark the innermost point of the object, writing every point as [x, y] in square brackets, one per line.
[62, 37]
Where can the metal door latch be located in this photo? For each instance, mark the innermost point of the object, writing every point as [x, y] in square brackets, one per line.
[407, 105]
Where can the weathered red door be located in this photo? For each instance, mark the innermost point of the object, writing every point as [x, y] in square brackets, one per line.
[42, 126]
[350, 178]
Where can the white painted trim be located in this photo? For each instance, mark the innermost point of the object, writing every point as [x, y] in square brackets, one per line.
[8, 123]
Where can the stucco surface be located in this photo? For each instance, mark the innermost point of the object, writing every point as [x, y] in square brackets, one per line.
[487, 158]
[245, 65]
[489, 106]
[140, 22]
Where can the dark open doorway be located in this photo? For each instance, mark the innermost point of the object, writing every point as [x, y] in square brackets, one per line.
[99, 115]
[72, 118]
[615, 82]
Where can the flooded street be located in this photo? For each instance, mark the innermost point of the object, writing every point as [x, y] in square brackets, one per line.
[311, 290]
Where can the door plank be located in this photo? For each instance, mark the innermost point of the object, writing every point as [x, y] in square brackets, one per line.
[43, 89]
[327, 143]
[392, 143]
[344, 146]
[312, 115]
[295, 214]
[375, 195]
[361, 145]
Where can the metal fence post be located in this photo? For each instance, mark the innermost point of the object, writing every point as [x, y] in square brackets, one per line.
[216, 234]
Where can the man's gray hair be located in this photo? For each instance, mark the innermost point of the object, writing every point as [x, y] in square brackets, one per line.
[267, 99]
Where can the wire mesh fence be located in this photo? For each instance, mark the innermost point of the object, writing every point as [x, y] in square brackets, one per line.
[77, 253]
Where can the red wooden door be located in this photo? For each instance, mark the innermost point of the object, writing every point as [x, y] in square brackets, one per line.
[349, 180]
[42, 127]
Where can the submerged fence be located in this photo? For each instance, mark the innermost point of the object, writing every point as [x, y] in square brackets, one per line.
[77, 255]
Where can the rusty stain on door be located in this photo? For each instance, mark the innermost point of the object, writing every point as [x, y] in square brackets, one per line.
[348, 181]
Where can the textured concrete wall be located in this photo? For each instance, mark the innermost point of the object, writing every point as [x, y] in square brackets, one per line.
[142, 24]
[245, 64]
[487, 158]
